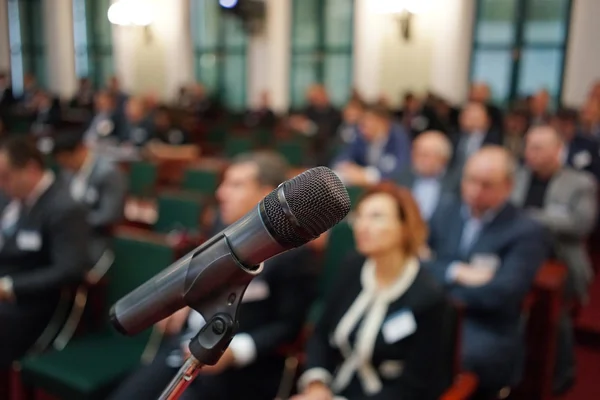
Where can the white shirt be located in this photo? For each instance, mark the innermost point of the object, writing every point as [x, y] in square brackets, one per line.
[80, 181]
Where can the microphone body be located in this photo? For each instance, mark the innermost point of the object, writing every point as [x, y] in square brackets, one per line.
[216, 273]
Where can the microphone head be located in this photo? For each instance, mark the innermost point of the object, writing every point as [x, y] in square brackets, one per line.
[304, 207]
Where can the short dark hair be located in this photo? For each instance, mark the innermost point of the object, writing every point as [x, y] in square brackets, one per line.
[567, 115]
[378, 110]
[272, 167]
[67, 142]
[21, 150]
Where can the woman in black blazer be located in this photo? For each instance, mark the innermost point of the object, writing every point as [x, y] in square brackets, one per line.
[380, 336]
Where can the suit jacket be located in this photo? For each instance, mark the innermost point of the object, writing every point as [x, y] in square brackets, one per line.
[569, 213]
[449, 182]
[104, 199]
[395, 156]
[492, 137]
[584, 154]
[409, 365]
[48, 248]
[518, 247]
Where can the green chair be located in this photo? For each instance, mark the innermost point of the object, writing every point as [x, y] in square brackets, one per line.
[90, 366]
[142, 178]
[237, 145]
[293, 151]
[202, 181]
[262, 137]
[178, 211]
[340, 244]
[354, 192]
[217, 135]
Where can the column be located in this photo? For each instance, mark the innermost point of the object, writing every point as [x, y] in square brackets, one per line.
[4, 42]
[60, 51]
[278, 32]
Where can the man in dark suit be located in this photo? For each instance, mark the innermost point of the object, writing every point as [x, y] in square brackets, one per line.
[476, 131]
[429, 177]
[581, 152]
[44, 241]
[486, 253]
[380, 151]
[6, 94]
[480, 93]
[47, 115]
[272, 312]
[105, 122]
[97, 183]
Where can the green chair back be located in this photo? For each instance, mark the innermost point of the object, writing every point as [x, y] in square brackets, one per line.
[178, 211]
[200, 181]
[142, 178]
[238, 145]
[354, 192]
[262, 137]
[217, 135]
[293, 151]
[339, 245]
[89, 367]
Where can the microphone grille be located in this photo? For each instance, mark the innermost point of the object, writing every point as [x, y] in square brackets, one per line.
[316, 199]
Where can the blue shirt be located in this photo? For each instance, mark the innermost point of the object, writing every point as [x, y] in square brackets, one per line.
[427, 193]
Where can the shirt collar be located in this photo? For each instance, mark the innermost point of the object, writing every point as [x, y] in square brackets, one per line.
[39, 189]
[486, 218]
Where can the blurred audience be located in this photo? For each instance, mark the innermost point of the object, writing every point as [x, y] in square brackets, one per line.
[380, 334]
[44, 242]
[486, 254]
[380, 151]
[480, 93]
[430, 177]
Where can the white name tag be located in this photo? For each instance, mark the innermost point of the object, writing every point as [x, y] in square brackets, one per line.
[398, 326]
[257, 290]
[29, 241]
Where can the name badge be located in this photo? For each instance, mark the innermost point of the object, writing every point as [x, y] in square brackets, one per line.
[29, 241]
[398, 326]
[257, 290]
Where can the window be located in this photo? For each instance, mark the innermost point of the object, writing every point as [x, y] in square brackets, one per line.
[220, 43]
[322, 32]
[520, 47]
[93, 41]
[27, 44]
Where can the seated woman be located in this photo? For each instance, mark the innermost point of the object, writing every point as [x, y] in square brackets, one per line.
[380, 335]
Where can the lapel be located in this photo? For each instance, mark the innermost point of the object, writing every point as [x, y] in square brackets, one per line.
[521, 186]
[488, 232]
[555, 187]
[456, 223]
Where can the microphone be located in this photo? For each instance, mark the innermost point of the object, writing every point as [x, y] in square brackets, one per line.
[215, 274]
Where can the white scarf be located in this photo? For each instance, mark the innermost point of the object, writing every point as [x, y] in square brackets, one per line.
[372, 303]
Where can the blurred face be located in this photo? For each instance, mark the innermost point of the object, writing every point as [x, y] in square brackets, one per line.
[352, 113]
[428, 158]
[479, 93]
[377, 227]
[590, 113]
[372, 126]
[15, 182]
[485, 185]
[134, 110]
[540, 101]
[239, 192]
[542, 150]
[162, 120]
[474, 118]
[103, 103]
[566, 128]
[515, 124]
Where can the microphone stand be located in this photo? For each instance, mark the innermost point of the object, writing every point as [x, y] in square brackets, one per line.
[206, 348]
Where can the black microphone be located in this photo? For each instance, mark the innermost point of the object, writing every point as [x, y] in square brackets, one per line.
[216, 274]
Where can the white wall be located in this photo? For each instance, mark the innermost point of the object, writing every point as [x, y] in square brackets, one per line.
[60, 52]
[4, 42]
[156, 59]
[583, 56]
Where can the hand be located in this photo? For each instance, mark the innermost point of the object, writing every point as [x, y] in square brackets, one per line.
[172, 325]
[224, 363]
[315, 391]
[352, 174]
[468, 275]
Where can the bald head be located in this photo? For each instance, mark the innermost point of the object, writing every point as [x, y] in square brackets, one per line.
[480, 92]
[431, 153]
[487, 179]
[543, 150]
[474, 118]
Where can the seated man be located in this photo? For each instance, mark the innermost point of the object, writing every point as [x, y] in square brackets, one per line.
[272, 312]
[487, 253]
[380, 151]
[43, 246]
[98, 184]
[429, 177]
